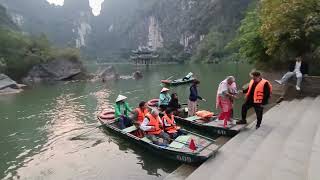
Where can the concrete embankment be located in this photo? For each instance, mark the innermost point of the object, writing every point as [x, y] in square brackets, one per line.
[285, 147]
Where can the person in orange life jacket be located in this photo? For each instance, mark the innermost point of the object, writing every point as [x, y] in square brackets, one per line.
[257, 95]
[152, 125]
[169, 124]
[139, 113]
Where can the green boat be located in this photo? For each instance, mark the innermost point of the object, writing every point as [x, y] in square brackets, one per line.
[211, 125]
[208, 125]
[178, 149]
[177, 81]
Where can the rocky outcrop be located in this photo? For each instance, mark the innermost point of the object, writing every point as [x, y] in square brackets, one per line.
[137, 75]
[106, 74]
[8, 86]
[55, 70]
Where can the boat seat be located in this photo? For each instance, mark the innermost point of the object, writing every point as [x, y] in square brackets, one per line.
[180, 142]
[193, 118]
[145, 139]
[130, 129]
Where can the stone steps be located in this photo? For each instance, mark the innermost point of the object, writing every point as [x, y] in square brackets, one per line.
[286, 147]
[262, 160]
[297, 149]
[239, 148]
[237, 161]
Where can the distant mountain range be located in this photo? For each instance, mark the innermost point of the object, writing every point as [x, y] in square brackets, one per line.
[173, 27]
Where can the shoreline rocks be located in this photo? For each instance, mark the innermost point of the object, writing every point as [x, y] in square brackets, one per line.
[9, 86]
[55, 70]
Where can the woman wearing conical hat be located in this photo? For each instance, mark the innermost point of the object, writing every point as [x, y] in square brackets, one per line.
[164, 99]
[122, 110]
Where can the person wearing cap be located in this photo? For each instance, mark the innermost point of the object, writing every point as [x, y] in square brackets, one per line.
[257, 95]
[152, 126]
[164, 98]
[225, 95]
[193, 97]
[122, 110]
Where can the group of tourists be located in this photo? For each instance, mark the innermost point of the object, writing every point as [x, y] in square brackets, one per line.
[257, 95]
[159, 130]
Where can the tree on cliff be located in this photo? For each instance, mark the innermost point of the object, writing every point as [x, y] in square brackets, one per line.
[276, 31]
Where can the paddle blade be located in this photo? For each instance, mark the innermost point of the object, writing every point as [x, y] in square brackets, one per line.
[192, 145]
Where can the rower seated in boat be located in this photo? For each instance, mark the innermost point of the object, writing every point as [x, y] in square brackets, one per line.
[151, 125]
[121, 113]
[164, 99]
[170, 125]
[188, 76]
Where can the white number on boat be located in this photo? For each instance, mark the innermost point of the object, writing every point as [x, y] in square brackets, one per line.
[184, 158]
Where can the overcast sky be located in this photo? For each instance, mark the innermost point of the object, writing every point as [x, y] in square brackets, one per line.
[95, 5]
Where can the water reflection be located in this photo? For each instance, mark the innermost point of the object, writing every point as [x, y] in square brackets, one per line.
[152, 163]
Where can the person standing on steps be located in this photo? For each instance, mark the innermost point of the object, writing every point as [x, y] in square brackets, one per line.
[193, 97]
[297, 68]
[257, 95]
[224, 101]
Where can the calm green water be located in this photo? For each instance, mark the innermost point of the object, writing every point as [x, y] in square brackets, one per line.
[36, 125]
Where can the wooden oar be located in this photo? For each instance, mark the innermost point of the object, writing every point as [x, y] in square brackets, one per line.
[76, 137]
[169, 77]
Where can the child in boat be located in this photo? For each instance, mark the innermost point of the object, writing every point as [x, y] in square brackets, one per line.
[169, 124]
[152, 125]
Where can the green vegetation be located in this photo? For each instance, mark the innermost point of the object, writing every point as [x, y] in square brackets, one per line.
[275, 31]
[19, 52]
[219, 21]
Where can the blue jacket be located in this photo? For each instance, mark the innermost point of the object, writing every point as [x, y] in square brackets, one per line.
[194, 93]
[164, 99]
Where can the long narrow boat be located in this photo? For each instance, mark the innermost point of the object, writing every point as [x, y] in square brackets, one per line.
[211, 125]
[178, 149]
[177, 81]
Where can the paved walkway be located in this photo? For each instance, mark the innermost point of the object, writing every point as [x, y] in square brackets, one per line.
[285, 147]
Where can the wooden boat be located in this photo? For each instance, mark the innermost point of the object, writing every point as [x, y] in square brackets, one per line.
[178, 149]
[211, 125]
[177, 81]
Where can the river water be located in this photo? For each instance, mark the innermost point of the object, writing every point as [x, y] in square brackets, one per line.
[36, 125]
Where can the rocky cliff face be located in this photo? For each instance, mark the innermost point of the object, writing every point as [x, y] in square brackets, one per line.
[175, 25]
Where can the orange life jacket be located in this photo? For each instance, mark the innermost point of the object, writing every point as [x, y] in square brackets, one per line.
[171, 127]
[141, 114]
[258, 92]
[154, 123]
